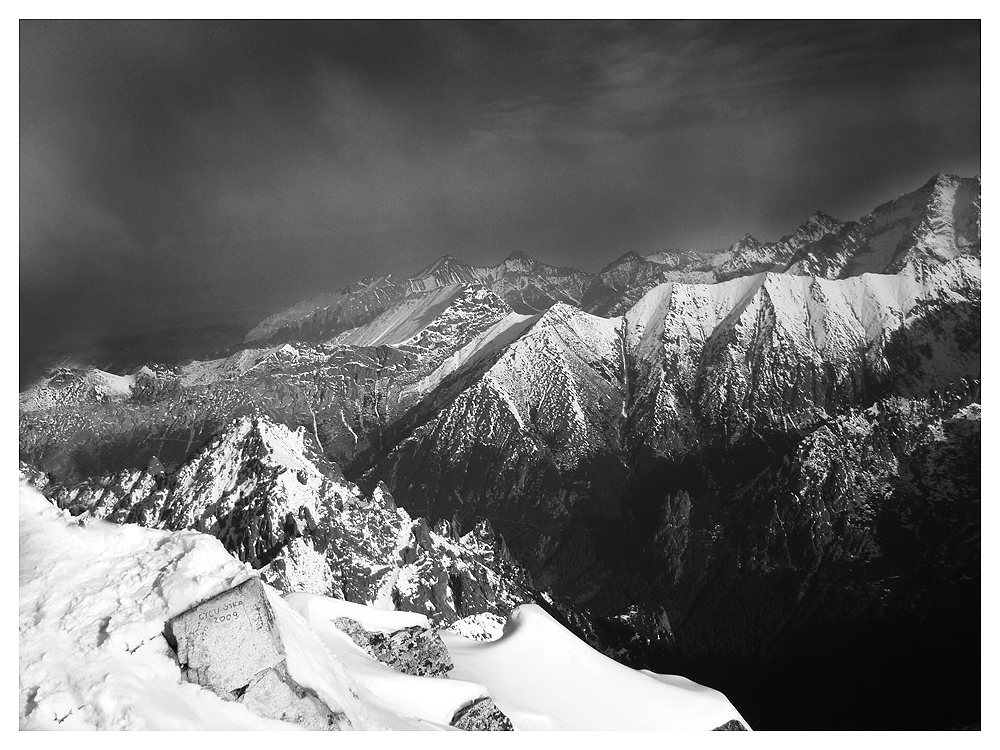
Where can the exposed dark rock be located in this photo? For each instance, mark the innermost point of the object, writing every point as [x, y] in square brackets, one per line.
[414, 650]
[731, 726]
[482, 716]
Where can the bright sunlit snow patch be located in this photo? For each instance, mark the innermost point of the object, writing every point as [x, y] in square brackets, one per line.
[482, 627]
[92, 603]
[370, 618]
[430, 699]
[543, 677]
[93, 600]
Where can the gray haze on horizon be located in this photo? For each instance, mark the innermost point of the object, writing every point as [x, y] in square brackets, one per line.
[211, 171]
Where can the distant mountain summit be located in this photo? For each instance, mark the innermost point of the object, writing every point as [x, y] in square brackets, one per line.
[751, 256]
[932, 225]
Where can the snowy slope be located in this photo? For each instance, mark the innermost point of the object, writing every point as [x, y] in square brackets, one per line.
[432, 699]
[402, 321]
[328, 314]
[489, 343]
[544, 678]
[782, 349]
[93, 601]
[526, 433]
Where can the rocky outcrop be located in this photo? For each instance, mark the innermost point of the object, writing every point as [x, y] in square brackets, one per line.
[731, 726]
[415, 650]
[421, 652]
[482, 715]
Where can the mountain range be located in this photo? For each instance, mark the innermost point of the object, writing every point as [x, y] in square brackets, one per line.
[751, 463]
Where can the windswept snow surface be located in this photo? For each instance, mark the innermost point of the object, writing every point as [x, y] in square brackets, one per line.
[429, 699]
[92, 603]
[543, 677]
[482, 627]
[93, 600]
[372, 619]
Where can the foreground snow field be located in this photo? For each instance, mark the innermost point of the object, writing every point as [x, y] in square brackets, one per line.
[94, 597]
[543, 677]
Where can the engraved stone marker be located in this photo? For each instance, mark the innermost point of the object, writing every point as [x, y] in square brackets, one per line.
[230, 644]
[223, 642]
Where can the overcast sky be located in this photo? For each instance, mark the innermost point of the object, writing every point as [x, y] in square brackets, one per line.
[183, 171]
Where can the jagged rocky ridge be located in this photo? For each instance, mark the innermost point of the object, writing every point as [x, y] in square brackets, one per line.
[275, 502]
[669, 469]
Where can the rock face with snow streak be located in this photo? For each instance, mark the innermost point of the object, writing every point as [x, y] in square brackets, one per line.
[773, 351]
[273, 500]
[749, 255]
[538, 420]
[932, 225]
[414, 650]
[525, 284]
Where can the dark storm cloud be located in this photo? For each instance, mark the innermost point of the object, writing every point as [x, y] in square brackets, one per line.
[175, 168]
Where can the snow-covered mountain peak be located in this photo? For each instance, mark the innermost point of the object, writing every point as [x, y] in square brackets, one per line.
[271, 445]
[932, 225]
[629, 259]
[817, 225]
[445, 266]
[744, 243]
[65, 386]
[518, 261]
